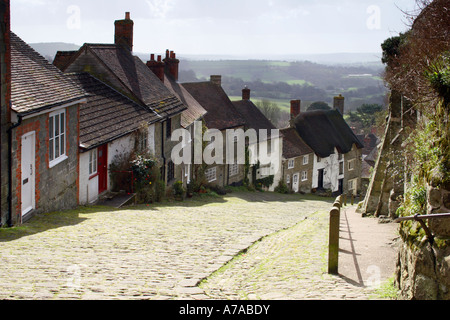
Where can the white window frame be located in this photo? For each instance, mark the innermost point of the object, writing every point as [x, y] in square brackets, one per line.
[93, 162]
[57, 138]
[351, 185]
[211, 174]
[351, 164]
[288, 179]
[233, 170]
[291, 164]
[305, 160]
[305, 176]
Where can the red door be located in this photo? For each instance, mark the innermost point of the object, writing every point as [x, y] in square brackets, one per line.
[102, 168]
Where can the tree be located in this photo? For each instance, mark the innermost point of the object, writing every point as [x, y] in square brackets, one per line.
[270, 110]
[319, 105]
[366, 115]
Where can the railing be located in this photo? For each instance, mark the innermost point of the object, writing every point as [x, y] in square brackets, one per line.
[333, 242]
[421, 218]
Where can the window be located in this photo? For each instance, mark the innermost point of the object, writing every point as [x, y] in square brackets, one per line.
[170, 171]
[341, 167]
[351, 165]
[211, 174]
[291, 164]
[93, 162]
[168, 128]
[319, 159]
[305, 160]
[233, 170]
[304, 175]
[288, 179]
[143, 141]
[351, 185]
[57, 137]
[295, 178]
[340, 156]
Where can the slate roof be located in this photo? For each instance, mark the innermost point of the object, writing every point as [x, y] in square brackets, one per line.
[108, 114]
[293, 144]
[324, 131]
[35, 83]
[194, 110]
[221, 113]
[132, 72]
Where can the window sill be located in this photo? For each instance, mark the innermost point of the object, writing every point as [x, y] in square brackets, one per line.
[55, 162]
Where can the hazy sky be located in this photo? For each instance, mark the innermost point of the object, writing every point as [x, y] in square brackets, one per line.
[244, 27]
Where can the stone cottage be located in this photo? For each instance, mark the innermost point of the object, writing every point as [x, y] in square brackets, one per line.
[221, 115]
[256, 120]
[111, 126]
[115, 65]
[45, 136]
[298, 157]
[338, 151]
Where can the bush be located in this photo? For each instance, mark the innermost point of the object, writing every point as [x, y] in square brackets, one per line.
[282, 188]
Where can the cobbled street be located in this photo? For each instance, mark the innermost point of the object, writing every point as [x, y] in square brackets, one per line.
[174, 250]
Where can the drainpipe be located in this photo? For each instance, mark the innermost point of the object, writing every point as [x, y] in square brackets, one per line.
[163, 173]
[10, 131]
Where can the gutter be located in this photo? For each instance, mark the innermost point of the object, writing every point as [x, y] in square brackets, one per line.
[10, 131]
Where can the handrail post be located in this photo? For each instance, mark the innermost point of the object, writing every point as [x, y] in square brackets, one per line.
[333, 246]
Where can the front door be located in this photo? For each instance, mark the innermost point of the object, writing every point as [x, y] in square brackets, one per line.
[341, 186]
[320, 179]
[102, 169]
[295, 182]
[28, 173]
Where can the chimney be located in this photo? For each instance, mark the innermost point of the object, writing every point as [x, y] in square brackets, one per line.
[246, 94]
[156, 66]
[172, 64]
[124, 32]
[217, 80]
[295, 110]
[339, 104]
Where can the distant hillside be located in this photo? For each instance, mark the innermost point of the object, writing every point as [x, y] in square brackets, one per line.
[48, 50]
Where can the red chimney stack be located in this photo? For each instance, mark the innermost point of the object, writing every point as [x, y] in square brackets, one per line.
[157, 66]
[124, 32]
[246, 94]
[172, 64]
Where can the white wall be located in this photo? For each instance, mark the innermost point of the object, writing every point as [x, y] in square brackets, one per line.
[331, 172]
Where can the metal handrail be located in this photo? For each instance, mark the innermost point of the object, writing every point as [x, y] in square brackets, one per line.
[420, 218]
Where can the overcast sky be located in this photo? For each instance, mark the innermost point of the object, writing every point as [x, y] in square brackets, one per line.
[243, 27]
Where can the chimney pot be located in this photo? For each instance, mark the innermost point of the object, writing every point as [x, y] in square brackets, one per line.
[152, 57]
[127, 16]
[159, 58]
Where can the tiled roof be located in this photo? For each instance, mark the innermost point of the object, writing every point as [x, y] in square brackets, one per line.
[293, 144]
[194, 110]
[37, 84]
[253, 117]
[132, 72]
[222, 114]
[324, 131]
[108, 114]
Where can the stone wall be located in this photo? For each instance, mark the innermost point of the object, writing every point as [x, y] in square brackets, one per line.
[423, 267]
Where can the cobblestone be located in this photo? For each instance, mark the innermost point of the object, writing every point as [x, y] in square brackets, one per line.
[163, 252]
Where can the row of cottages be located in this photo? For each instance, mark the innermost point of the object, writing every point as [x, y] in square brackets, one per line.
[321, 151]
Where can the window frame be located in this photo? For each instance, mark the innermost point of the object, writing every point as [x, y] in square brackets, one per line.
[304, 176]
[291, 161]
[57, 138]
[305, 160]
[233, 170]
[210, 172]
[93, 163]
